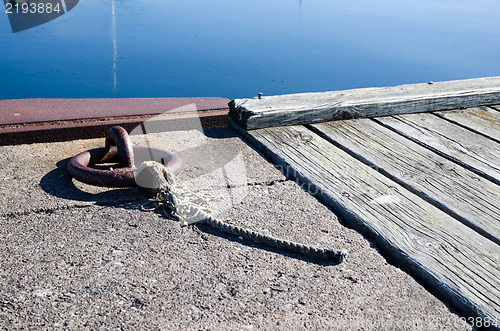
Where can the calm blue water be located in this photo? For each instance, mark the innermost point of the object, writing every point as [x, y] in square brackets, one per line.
[237, 48]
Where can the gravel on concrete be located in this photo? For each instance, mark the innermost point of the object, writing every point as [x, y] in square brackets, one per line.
[75, 256]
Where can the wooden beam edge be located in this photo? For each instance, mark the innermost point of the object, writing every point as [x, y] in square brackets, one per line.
[310, 108]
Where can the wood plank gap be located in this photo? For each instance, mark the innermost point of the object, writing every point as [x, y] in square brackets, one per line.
[465, 127]
[497, 108]
[406, 185]
[437, 151]
[485, 120]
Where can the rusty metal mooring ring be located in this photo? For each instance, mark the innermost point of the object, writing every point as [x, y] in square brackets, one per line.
[80, 165]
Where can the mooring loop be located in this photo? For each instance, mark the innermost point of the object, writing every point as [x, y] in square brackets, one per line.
[118, 136]
[118, 149]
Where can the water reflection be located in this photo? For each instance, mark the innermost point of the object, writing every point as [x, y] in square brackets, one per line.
[234, 49]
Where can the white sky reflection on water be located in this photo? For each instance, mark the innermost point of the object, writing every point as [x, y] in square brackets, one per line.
[113, 36]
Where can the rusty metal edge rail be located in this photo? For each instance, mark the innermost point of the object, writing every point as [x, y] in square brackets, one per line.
[95, 128]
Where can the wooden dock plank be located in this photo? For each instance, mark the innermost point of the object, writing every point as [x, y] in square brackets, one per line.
[461, 193]
[460, 265]
[484, 120]
[471, 150]
[306, 108]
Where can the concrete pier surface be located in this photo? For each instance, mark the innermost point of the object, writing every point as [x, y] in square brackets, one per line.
[76, 256]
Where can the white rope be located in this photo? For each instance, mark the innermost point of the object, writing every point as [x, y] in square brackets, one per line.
[190, 209]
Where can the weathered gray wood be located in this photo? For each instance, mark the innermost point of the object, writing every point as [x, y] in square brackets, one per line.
[485, 120]
[306, 108]
[471, 150]
[466, 196]
[460, 265]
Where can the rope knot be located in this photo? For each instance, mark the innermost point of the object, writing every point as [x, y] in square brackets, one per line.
[155, 177]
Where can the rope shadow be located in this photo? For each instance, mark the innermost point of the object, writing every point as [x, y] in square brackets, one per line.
[207, 229]
[215, 232]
